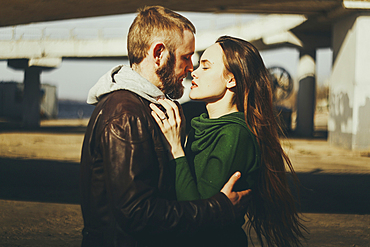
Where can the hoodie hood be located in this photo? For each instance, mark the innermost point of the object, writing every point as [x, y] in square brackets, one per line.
[122, 77]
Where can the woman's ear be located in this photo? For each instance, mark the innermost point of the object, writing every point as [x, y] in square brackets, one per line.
[158, 53]
[231, 82]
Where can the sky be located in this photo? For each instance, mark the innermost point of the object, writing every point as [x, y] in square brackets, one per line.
[74, 78]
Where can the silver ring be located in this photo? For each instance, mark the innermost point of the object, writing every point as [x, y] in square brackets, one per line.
[163, 118]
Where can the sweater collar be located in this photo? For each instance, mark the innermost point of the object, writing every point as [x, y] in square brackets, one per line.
[206, 129]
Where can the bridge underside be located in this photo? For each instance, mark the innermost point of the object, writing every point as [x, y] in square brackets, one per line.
[26, 11]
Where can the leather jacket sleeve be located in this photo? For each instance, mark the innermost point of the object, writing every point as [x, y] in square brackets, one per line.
[133, 177]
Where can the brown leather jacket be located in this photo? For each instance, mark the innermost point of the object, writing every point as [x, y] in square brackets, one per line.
[127, 182]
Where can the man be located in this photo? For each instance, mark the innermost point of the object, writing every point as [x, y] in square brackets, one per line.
[127, 182]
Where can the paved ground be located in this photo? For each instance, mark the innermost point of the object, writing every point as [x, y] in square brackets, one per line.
[39, 187]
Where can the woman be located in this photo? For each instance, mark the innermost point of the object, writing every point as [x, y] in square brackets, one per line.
[238, 133]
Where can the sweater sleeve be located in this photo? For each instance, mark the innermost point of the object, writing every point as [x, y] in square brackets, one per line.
[233, 150]
[186, 187]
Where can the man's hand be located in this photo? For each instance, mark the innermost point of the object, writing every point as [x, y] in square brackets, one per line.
[239, 199]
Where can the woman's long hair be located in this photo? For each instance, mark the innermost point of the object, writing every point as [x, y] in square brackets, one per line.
[272, 212]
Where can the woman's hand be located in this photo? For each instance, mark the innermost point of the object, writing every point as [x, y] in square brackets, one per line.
[170, 124]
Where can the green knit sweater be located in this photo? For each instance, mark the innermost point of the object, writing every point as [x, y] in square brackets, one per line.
[216, 148]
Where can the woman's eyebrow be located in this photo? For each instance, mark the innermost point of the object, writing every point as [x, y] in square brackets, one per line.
[205, 62]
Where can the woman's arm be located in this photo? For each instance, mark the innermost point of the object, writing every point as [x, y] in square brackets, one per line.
[186, 187]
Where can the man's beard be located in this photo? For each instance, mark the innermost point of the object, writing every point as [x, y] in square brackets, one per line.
[170, 84]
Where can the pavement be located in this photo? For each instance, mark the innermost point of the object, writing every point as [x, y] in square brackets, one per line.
[317, 155]
[39, 187]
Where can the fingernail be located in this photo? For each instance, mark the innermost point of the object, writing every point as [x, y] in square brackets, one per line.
[237, 174]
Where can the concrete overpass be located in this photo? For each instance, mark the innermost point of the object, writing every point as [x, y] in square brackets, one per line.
[342, 25]
[34, 48]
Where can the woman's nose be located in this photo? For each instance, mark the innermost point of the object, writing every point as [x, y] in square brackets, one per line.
[193, 74]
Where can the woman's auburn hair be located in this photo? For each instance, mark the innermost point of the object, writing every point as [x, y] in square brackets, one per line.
[151, 23]
[272, 212]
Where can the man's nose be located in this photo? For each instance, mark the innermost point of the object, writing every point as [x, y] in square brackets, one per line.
[189, 67]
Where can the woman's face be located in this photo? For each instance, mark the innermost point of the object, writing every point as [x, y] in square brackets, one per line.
[209, 81]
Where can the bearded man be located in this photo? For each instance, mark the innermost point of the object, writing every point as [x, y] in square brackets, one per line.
[127, 181]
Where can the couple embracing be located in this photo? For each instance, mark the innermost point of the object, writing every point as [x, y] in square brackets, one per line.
[141, 186]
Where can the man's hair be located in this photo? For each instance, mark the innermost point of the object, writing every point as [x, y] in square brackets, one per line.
[152, 23]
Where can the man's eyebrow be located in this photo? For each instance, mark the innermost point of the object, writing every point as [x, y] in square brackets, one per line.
[189, 54]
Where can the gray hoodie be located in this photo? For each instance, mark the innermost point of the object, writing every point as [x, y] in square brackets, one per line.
[122, 77]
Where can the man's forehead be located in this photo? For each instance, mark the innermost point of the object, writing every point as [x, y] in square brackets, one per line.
[187, 46]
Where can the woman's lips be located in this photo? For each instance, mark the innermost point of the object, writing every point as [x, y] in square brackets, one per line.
[193, 85]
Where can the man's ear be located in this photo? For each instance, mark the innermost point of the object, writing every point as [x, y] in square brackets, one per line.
[158, 53]
[231, 82]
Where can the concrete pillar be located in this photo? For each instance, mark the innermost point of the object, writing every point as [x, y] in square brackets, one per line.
[31, 93]
[349, 106]
[31, 97]
[306, 93]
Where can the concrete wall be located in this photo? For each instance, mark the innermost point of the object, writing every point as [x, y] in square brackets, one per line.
[349, 112]
[11, 101]
[49, 101]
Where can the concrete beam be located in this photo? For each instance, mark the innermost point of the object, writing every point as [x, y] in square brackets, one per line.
[43, 63]
[282, 38]
[354, 4]
[272, 28]
[62, 48]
